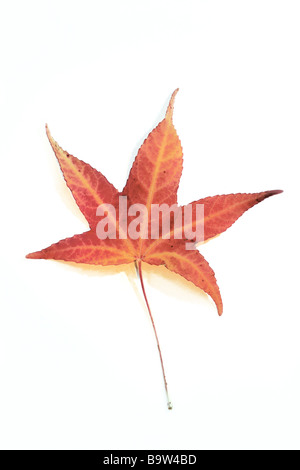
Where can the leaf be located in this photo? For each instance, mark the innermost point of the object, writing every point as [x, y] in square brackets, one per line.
[88, 186]
[190, 264]
[220, 212]
[153, 182]
[87, 248]
[156, 171]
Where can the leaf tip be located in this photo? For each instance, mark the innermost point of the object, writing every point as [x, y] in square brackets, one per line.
[53, 143]
[219, 305]
[169, 113]
[47, 131]
[218, 302]
[276, 191]
[35, 255]
[267, 194]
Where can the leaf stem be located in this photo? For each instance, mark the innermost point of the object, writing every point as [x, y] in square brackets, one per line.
[139, 270]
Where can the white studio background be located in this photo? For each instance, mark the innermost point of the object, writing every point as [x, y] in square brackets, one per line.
[79, 367]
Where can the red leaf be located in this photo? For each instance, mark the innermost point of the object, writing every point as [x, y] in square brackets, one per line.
[88, 186]
[153, 179]
[156, 171]
[220, 212]
[190, 264]
[87, 248]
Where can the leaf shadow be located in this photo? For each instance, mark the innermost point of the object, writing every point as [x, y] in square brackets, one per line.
[96, 270]
[174, 285]
[160, 278]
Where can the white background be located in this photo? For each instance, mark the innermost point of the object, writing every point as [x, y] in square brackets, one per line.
[79, 367]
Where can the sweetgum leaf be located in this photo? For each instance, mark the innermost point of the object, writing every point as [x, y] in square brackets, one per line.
[153, 179]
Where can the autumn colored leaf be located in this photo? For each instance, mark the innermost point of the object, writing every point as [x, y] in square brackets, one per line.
[220, 212]
[131, 225]
[189, 264]
[88, 186]
[155, 173]
[87, 248]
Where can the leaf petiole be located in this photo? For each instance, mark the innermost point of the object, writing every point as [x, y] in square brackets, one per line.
[138, 265]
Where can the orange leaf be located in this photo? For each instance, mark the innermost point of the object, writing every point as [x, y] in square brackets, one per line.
[88, 186]
[153, 180]
[190, 264]
[220, 212]
[87, 248]
[156, 171]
